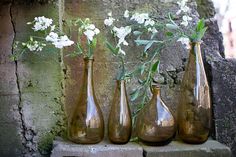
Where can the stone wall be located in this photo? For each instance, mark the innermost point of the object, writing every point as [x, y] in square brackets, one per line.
[38, 90]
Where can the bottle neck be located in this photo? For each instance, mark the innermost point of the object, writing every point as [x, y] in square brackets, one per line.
[196, 48]
[88, 72]
[156, 90]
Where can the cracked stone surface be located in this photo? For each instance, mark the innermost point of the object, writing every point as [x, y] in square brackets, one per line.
[10, 121]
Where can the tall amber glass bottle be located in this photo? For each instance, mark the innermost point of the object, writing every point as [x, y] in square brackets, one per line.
[120, 122]
[86, 125]
[194, 112]
[155, 123]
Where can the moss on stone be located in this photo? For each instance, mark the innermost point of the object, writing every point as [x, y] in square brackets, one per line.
[46, 141]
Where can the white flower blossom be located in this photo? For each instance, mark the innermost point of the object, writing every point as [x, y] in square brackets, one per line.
[35, 46]
[90, 26]
[91, 31]
[53, 28]
[153, 30]
[53, 37]
[121, 33]
[186, 19]
[140, 18]
[149, 22]
[41, 23]
[183, 7]
[126, 14]
[62, 42]
[89, 34]
[59, 42]
[185, 41]
[96, 31]
[121, 51]
[109, 14]
[109, 21]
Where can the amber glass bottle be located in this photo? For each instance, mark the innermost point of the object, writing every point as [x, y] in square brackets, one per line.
[155, 123]
[194, 111]
[120, 122]
[86, 125]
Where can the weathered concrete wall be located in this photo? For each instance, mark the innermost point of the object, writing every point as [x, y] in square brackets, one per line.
[35, 90]
[31, 91]
[10, 117]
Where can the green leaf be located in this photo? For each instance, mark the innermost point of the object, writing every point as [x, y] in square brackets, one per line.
[137, 33]
[201, 33]
[31, 38]
[155, 66]
[79, 48]
[135, 95]
[148, 46]
[94, 43]
[112, 48]
[142, 82]
[169, 34]
[171, 26]
[141, 42]
[74, 54]
[200, 25]
[142, 69]
[153, 35]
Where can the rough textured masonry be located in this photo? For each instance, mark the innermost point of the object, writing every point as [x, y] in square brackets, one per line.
[175, 149]
[37, 90]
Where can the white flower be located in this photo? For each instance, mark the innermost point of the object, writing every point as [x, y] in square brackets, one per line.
[121, 33]
[183, 7]
[53, 28]
[140, 18]
[91, 31]
[185, 41]
[149, 22]
[109, 21]
[90, 26]
[153, 30]
[121, 51]
[35, 46]
[62, 42]
[96, 31]
[59, 42]
[109, 14]
[41, 23]
[126, 14]
[186, 19]
[53, 37]
[89, 34]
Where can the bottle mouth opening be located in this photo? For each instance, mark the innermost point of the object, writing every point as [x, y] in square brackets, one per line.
[88, 58]
[155, 88]
[196, 42]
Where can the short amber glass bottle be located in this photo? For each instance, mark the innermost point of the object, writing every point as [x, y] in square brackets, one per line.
[120, 121]
[86, 125]
[155, 123]
[194, 111]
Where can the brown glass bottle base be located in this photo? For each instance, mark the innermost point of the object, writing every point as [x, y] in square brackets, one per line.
[194, 140]
[119, 142]
[162, 143]
[85, 141]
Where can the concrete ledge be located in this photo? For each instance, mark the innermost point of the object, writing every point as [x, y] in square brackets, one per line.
[103, 149]
[210, 148]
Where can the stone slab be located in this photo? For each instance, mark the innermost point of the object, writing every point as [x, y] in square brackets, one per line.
[103, 149]
[210, 148]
